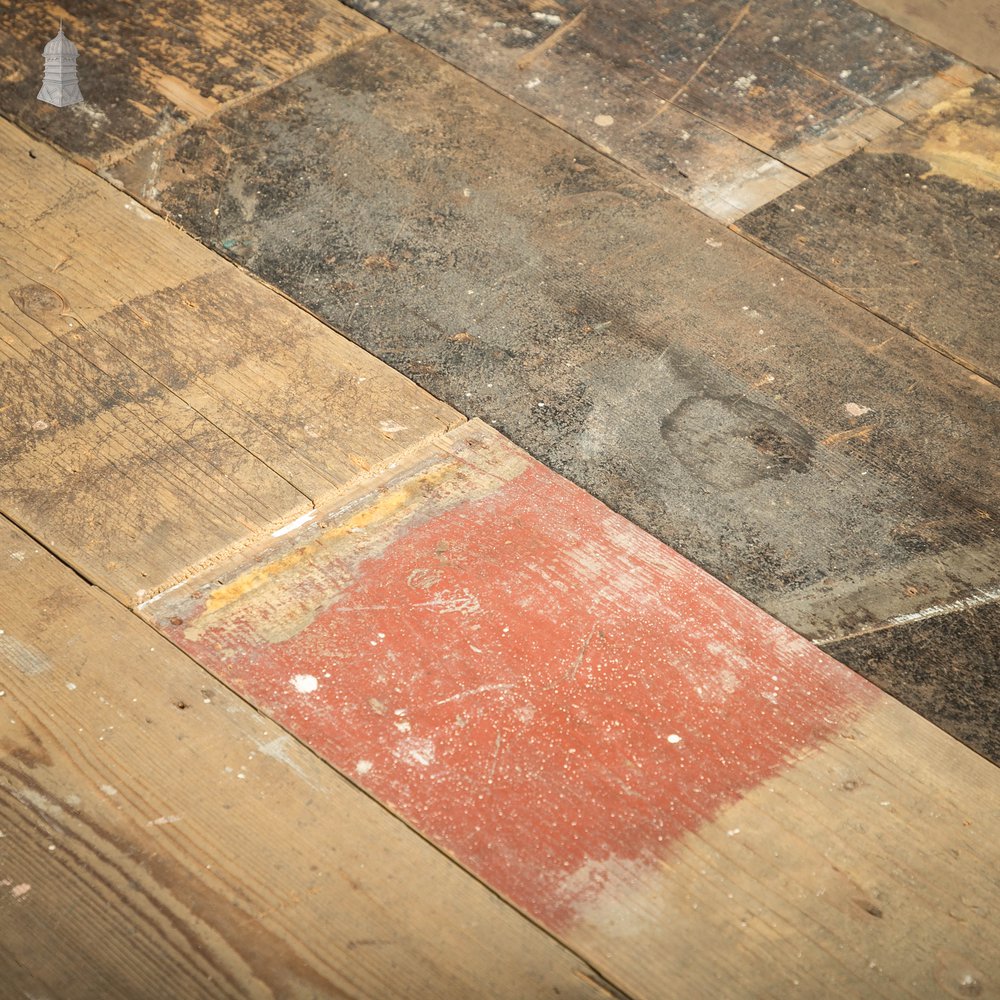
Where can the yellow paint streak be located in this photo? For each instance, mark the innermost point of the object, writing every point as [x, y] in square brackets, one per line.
[380, 510]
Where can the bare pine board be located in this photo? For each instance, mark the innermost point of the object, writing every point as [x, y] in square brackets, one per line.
[969, 28]
[910, 227]
[725, 105]
[150, 70]
[157, 404]
[772, 431]
[160, 838]
[694, 797]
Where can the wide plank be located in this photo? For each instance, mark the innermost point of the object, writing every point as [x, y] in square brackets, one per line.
[772, 431]
[694, 798]
[945, 654]
[160, 838]
[149, 70]
[157, 405]
[910, 227]
[969, 28]
[724, 104]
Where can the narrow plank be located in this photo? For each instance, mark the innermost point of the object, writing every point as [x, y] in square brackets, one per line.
[160, 838]
[948, 655]
[778, 435]
[157, 405]
[694, 797]
[970, 28]
[149, 71]
[724, 104]
[910, 227]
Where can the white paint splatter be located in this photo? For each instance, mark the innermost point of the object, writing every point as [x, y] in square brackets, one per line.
[70, 686]
[109, 790]
[604, 121]
[297, 523]
[305, 683]
[472, 691]
[743, 83]
[363, 767]
[962, 604]
[531, 84]
[164, 820]
[673, 738]
[550, 19]
[134, 206]
[19, 890]
[17, 556]
[415, 750]
[856, 409]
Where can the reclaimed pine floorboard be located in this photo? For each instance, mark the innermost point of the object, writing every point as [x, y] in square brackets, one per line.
[725, 104]
[157, 405]
[969, 28]
[151, 69]
[815, 458]
[910, 227]
[159, 839]
[695, 799]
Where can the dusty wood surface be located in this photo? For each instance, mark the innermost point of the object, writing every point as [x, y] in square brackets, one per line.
[775, 433]
[147, 70]
[160, 838]
[725, 104]
[910, 227]
[156, 405]
[694, 797]
[946, 656]
[969, 28]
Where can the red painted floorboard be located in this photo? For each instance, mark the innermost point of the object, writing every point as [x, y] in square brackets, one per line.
[528, 679]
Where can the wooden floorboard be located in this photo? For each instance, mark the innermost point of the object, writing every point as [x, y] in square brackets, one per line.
[159, 405]
[679, 787]
[151, 70]
[910, 227]
[969, 28]
[775, 433]
[159, 838]
[724, 104]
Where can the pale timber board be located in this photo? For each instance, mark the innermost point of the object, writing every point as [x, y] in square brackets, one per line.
[150, 69]
[159, 838]
[969, 28]
[774, 432]
[724, 104]
[157, 404]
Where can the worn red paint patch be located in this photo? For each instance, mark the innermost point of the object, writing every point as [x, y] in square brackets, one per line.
[531, 681]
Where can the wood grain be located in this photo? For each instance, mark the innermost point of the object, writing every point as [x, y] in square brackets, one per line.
[157, 405]
[969, 28]
[724, 104]
[160, 838]
[775, 433]
[910, 227]
[148, 71]
[694, 797]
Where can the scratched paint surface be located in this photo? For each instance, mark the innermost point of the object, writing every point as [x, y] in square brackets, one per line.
[531, 681]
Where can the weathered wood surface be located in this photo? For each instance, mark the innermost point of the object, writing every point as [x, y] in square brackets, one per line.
[948, 657]
[157, 405]
[149, 69]
[969, 28]
[910, 227]
[692, 796]
[818, 460]
[159, 838]
[725, 104]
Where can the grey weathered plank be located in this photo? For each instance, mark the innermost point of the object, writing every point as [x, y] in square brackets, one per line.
[776, 433]
[910, 227]
[725, 104]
